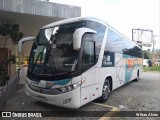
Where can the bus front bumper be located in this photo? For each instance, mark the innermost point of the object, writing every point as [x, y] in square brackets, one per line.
[69, 99]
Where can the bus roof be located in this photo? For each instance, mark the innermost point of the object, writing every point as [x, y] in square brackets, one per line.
[71, 20]
[77, 19]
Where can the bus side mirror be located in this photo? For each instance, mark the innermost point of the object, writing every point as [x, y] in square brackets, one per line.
[77, 36]
[20, 43]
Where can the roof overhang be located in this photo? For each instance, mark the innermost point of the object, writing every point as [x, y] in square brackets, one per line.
[32, 15]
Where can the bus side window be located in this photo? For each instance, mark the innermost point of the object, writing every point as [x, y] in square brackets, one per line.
[108, 59]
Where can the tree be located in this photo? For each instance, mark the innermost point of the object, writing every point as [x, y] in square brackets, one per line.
[157, 54]
[146, 54]
[8, 31]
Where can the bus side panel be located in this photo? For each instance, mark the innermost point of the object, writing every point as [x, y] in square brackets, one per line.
[120, 63]
[97, 74]
[137, 67]
[132, 66]
[88, 77]
[89, 90]
[116, 69]
[89, 93]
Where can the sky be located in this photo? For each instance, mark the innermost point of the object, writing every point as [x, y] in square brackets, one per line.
[123, 15]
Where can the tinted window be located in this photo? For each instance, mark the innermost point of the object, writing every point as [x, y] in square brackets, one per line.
[117, 43]
[88, 53]
[108, 59]
[98, 37]
[52, 54]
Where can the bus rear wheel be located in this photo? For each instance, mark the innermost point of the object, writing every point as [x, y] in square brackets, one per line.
[106, 91]
[137, 78]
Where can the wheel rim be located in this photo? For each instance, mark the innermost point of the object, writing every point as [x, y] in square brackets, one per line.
[106, 89]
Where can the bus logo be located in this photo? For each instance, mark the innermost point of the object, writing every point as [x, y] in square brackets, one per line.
[6, 114]
[50, 84]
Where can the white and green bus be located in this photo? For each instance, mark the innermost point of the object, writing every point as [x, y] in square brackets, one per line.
[78, 60]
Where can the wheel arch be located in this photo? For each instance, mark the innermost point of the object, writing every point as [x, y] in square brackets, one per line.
[137, 76]
[102, 98]
[138, 72]
[111, 83]
[110, 80]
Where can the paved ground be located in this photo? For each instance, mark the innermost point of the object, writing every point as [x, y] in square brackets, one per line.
[143, 95]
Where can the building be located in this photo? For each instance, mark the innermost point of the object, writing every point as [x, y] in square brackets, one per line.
[31, 15]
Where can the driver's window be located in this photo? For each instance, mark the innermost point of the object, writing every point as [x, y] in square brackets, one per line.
[88, 53]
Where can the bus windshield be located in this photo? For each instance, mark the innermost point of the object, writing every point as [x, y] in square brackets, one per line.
[52, 52]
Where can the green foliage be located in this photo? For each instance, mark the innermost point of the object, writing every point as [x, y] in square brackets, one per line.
[157, 54]
[11, 31]
[154, 68]
[8, 31]
[3, 75]
[12, 59]
[5, 29]
[147, 54]
[3, 71]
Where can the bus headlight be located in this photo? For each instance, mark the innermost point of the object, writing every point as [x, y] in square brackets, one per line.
[69, 87]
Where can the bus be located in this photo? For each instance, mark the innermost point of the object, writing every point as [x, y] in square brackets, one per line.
[75, 61]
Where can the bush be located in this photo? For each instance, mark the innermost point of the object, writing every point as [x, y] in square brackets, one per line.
[153, 68]
[3, 69]
[8, 31]
[3, 75]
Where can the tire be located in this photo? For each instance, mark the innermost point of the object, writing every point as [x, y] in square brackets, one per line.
[137, 78]
[105, 92]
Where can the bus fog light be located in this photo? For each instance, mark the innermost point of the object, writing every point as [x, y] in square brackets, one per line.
[63, 89]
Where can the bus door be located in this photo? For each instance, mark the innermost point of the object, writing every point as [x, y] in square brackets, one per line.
[88, 90]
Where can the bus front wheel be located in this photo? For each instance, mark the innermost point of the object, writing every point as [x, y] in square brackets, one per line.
[106, 91]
